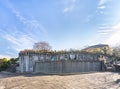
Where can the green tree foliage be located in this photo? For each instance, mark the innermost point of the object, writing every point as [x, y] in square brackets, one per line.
[5, 63]
[5, 59]
[13, 60]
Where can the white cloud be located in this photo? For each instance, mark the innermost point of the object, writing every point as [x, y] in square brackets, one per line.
[67, 9]
[109, 35]
[102, 2]
[32, 29]
[105, 31]
[32, 25]
[5, 56]
[19, 39]
[12, 39]
[19, 42]
[101, 7]
[114, 38]
[69, 5]
[36, 27]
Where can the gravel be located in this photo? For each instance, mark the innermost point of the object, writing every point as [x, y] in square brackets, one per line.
[99, 80]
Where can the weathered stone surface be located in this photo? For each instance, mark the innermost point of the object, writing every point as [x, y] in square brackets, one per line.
[55, 62]
[67, 66]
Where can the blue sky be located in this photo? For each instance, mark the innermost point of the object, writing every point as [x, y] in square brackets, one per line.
[64, 24]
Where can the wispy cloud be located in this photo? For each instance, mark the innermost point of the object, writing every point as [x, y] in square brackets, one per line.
[69, 5]
[8, 54]
[105, 31]
[102, 4]
[32, 25]
[18, 41]
[5, 56]
[31, 31]
[101, 7]
[18, 15]
[113, 38]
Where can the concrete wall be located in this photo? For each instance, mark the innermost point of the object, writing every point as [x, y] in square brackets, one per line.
[68, 62]
[67, 66]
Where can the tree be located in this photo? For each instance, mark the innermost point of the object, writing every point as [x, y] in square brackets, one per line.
[13, 60]
[116, 51]
[42, 46]
[3, 60]
[4, 64]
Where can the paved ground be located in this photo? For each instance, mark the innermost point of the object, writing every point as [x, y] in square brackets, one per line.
[105, 80]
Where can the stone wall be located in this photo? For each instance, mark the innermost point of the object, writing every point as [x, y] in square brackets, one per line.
[59, 62]
[67, 66]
